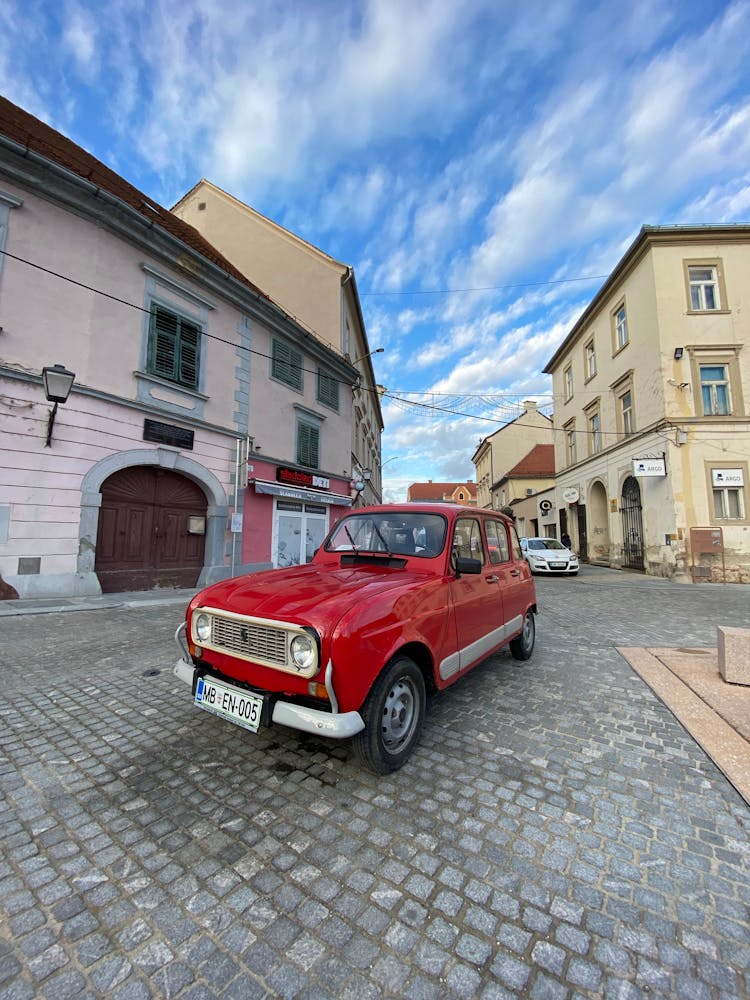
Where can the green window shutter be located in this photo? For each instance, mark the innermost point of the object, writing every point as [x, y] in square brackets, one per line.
[308, 438]
[286, 364]
[328, 390]
[174, 348]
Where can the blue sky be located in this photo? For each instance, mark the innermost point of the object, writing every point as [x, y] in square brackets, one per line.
[481, 164]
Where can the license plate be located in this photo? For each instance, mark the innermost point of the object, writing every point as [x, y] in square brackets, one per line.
[241, 707]
[557, 565]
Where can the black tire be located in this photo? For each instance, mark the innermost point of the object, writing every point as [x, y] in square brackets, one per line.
[393, 714]
[523, 645]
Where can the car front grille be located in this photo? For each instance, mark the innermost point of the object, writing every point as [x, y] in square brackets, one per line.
[249, 640]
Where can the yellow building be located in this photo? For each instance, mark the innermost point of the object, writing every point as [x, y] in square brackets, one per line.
[500, 451]
[652, 434]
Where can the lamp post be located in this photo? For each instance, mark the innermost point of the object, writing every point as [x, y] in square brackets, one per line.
[58, 382]
[369, 354]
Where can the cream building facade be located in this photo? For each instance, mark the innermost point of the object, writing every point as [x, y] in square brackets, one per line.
[318, 291]
[651, 387]
[501, 451]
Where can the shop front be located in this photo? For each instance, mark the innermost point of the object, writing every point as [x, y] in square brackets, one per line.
[288, 512]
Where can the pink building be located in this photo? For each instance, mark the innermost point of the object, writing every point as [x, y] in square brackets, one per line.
[206, 433]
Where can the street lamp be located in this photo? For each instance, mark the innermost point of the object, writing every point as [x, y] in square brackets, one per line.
[58, 382]
[379, 350]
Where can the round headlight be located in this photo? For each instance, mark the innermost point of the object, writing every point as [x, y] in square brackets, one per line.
[304, 652]
[203, 627]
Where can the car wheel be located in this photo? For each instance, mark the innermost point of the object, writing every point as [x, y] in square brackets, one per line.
[392, 714]
[523, 645]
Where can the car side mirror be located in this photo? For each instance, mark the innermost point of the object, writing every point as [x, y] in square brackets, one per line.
[469, 566]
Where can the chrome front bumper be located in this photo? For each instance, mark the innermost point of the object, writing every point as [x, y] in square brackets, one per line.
[334, 725]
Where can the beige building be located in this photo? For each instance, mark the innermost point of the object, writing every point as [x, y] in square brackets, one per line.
[498, 453]
[319, 292]
[520, 487]
[652, 438]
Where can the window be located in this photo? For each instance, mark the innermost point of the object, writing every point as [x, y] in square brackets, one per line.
[626, 412]
[497, 542]
[299, 530]
[590, 359]
[174, 347]
[620, 327]
[704, 288]
[595, 432]
[715, 390]
[467, 539]
[570, 442]
[728, 493]
[286, 364]
[568, 379]
[328, 390]
[308, 444]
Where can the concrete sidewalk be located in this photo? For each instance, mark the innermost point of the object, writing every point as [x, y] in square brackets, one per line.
[131, 599]
[714, 712]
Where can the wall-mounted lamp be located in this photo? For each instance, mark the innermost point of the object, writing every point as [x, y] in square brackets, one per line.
[678, 352]
[58, 382]
[378, 350]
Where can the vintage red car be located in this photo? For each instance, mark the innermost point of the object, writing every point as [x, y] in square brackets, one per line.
[398, 602]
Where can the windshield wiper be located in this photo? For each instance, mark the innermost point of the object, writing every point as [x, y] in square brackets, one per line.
[351, 540]
[380, 536]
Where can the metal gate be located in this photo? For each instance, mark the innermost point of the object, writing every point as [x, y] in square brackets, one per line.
[632, 525]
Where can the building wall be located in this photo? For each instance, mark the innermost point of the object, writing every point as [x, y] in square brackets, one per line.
[499, 452]
[651, 282]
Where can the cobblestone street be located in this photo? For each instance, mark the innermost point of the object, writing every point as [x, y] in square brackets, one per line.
[557, 834]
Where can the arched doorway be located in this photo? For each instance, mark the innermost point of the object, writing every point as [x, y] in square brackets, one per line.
[632, 524]
[598, 523]
[151, 532]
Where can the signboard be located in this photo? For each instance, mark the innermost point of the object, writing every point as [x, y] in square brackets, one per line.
[570, 495]
[153, 430]
[727, 477]
[236, 524]
[297, 477]
[545, 506]
[649, 467]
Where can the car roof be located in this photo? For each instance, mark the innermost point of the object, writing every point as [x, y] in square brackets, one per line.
[450, 510]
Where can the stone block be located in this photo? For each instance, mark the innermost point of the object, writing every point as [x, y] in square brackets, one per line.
[734, 654]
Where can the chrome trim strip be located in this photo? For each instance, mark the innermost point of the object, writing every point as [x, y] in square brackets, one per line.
[329, 688]
[180, 637]
[469, 654]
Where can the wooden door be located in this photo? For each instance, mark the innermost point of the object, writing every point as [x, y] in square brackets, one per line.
[144, 540]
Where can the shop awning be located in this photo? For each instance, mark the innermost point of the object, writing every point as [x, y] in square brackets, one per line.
[295, 493]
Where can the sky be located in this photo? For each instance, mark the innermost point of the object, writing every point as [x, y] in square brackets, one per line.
[483, 165]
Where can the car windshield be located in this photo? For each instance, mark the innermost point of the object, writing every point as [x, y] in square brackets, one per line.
[545, 543]
[398, 534]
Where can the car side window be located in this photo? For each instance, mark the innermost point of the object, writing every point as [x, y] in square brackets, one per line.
[467, 539]
[515, 544]
[497, 541]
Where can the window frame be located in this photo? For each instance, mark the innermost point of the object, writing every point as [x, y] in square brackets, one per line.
[589, 356]
[501, 536]
[741, 492]
[619, 344]
[179, 349]
[569, 429]
[568, 382]
[594, 434]
[292, 364]
[716, 265]
[620, 389]
[724, 355]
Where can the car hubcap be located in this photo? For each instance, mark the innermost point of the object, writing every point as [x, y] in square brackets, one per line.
[528, 631]
[399, 713]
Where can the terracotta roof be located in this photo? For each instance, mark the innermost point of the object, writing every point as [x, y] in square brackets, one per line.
[26, 130]
[540, 462]
[439, 491]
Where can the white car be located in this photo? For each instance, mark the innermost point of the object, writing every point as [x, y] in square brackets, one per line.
[548, 555]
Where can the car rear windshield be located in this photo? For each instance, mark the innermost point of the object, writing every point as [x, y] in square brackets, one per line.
[398, 534]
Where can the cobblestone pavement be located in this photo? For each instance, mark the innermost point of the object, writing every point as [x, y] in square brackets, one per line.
[557, 834]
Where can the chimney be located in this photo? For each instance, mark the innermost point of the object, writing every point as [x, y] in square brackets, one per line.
[529, 404]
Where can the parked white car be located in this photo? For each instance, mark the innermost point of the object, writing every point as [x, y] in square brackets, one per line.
[548, 555]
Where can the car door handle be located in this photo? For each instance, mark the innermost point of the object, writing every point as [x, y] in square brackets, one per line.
[515, 572]
[492, 578]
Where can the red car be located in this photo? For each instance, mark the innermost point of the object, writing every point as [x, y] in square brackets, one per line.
[398, 602]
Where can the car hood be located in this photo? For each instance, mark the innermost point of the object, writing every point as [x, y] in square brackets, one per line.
[307, 595]
[553, 554]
